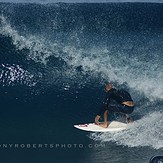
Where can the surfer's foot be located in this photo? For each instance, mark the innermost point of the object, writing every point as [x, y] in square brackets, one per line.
[104, 125]
[129, 120]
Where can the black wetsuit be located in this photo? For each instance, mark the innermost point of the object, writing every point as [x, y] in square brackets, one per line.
[119, 96]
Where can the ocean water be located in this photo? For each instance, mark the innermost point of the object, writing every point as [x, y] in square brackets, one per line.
[55, 59]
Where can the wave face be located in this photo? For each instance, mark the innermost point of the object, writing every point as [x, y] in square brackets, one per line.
[77, 46]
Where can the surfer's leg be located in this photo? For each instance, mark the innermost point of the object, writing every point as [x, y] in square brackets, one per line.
[123, 109]
[105, 125]
[128, 110]
[105, 116]
[128, 119]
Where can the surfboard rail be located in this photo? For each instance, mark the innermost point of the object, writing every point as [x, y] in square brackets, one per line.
[112, 127]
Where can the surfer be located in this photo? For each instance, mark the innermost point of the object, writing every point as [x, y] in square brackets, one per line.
[124, 104]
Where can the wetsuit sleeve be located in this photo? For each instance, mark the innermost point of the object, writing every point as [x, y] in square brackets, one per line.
[105, 104]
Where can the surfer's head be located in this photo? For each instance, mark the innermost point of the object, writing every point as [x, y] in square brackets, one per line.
[108, 87]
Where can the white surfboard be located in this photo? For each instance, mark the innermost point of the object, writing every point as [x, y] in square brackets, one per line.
[112, 127]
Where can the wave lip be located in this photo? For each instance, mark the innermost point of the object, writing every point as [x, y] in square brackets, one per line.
[133, 58]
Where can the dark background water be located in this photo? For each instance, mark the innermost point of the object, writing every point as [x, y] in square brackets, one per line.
[54, 62]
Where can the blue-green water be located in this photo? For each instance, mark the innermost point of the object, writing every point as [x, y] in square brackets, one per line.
[54, 62]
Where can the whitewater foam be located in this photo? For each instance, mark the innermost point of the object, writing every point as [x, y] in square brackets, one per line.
[144, 132]
[36, 45]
